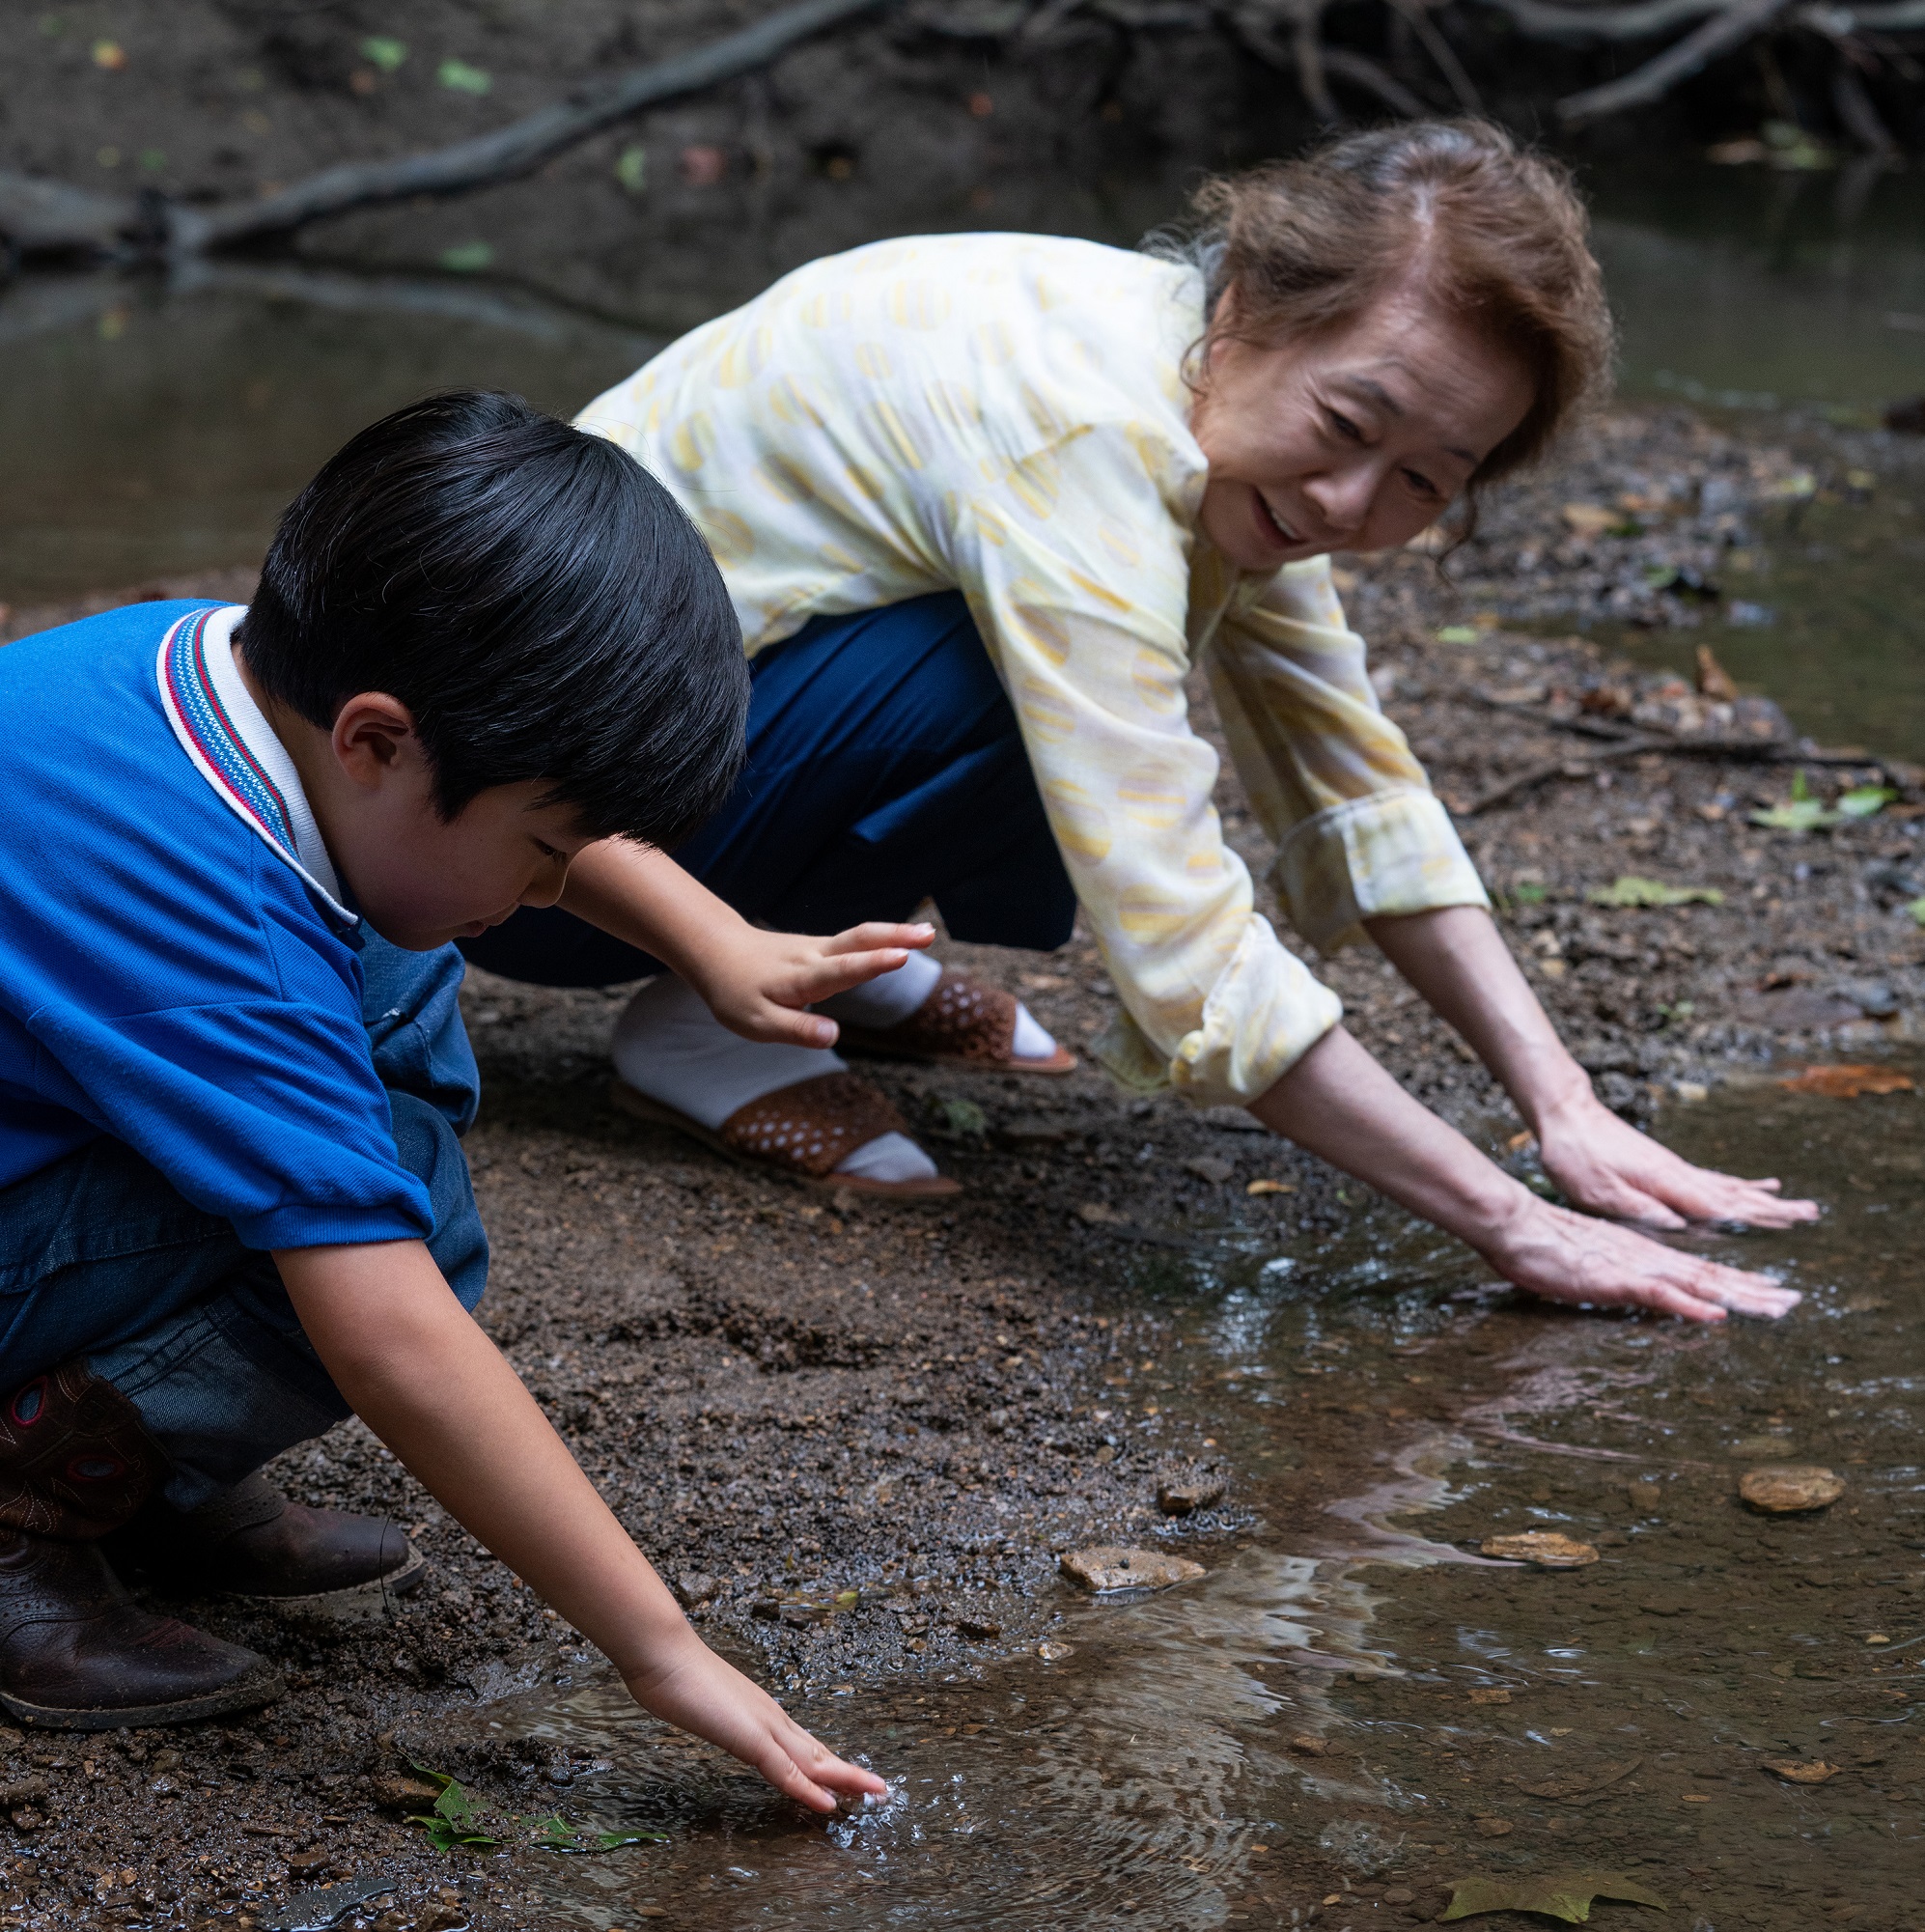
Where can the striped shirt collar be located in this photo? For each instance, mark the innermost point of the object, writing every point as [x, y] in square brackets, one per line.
[234, 749]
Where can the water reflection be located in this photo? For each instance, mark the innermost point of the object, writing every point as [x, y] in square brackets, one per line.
[1354, 1704]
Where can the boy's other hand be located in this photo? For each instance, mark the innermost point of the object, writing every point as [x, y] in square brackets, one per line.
[696, 1690]
[761, 984]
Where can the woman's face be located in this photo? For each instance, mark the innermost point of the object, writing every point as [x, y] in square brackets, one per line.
[1354, 441]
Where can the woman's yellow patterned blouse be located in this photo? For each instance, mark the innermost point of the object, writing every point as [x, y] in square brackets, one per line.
[1004, 414]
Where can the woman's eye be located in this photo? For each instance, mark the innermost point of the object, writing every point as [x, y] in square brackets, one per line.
[1421, 485]
[1345, 427]
[546, 851]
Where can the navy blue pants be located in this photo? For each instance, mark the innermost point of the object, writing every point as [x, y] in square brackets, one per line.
[101, 1258]
[886, 766]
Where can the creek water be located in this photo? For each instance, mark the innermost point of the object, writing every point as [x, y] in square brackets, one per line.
[1353, 1710]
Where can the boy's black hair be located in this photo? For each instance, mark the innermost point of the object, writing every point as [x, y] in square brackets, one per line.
[532, 594]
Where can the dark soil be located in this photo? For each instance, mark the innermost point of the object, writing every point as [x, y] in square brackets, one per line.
[788, 1395]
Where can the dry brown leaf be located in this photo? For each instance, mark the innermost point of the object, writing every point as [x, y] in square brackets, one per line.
[1801, 1770]
[1846, 1082]
[1589, 519]
[1270, 1188]
[1491, 1693]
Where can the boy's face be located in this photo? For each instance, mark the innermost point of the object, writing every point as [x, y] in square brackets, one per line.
[420, 879]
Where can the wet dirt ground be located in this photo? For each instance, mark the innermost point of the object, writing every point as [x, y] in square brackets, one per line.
[789, 1397]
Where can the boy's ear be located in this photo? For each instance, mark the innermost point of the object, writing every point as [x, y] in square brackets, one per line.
[373, 736]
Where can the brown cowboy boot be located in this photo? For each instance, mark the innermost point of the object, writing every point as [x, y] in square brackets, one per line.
[76, 1653]
[253, 1543]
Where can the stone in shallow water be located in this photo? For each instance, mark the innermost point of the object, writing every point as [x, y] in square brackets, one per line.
[1183, 1499]
[1782, 1489]
[1103, 1567]
[1548, 1549]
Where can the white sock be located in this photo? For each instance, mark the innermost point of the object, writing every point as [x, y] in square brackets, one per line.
[893, 997]
[670, 1047]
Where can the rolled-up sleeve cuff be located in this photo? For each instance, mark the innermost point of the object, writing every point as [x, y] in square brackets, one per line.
[1263, 1013]
[1391, 853]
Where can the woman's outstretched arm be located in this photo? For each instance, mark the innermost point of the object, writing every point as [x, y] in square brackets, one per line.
[1337, 1102]
[1457, 959]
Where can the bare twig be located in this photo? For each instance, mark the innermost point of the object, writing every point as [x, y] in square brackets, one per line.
[1440, 50]
[1856, 111]
[1635, 22]
[1343, 65]
[1725, 31]
[46, 215]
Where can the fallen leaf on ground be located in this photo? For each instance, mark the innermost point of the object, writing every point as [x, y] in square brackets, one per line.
[1801, 1770]
[1270, 1188]
[1581, 1784]
[1713, 680]
[1099, 1215]
[1549, 1549]
[1846, 1082]
[1628, 891]
[1786, 1488]
[1565, 1896]
[1490, 1694]
[460, 78]
[1589, 519]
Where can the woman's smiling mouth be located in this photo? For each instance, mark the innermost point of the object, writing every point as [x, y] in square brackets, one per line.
[1272, 523]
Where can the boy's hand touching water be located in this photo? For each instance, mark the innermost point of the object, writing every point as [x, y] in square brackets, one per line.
[694, 1690]
[423, 1376]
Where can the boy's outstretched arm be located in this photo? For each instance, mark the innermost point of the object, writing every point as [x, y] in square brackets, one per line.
[758, 984]
[422, 1375]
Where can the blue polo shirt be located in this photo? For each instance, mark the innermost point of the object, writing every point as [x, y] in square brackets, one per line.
[178, 968]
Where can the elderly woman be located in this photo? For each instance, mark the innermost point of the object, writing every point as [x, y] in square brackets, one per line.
[983, 502]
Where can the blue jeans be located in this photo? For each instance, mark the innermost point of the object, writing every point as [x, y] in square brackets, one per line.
[101, 1258]
[886, 766]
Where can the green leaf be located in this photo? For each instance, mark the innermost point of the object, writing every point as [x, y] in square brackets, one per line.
[464, 78]
[554, 1833]
[1565, 1896]
[1629, 890]
[964, 1119]
[1864, 801]
[1458, 633]
[1918, 910]
[467, 258]
[1806, 813]
[381, 51]
[1528, 892]
[631, 170]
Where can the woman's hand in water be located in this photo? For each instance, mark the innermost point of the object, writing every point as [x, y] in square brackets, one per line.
[1607, 1167]
[1568, 1257]
[696, 1692]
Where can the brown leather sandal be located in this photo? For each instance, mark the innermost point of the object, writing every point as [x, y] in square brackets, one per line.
[962, 1023]
[800, 1131]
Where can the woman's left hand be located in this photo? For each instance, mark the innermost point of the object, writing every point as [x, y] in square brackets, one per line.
[1607, 1167]
[761, 985]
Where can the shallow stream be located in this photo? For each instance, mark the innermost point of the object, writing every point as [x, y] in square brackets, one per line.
[1352, 1709]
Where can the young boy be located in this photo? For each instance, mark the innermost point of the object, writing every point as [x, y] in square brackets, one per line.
[490, 666]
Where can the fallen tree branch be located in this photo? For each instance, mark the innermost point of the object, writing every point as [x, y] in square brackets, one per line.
[40, 216]
[1343, 65]
[1656, 77]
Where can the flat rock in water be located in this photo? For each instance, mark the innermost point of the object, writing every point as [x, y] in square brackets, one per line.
[1184, 1499]
[1546, 1548]
[318, 1911]
[1799, 1769]
[1103, 1567]
[1783, 1489]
